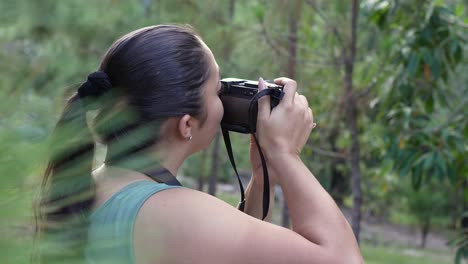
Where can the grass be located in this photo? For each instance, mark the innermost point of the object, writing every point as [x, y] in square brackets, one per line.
[229, 198]
[16, 228]
[15, 246]
[384, 255]
[405, 218]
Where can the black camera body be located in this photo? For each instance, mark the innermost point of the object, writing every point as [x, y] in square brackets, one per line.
[239, 98]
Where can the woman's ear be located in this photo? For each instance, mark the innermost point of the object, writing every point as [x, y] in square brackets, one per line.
[185, 126]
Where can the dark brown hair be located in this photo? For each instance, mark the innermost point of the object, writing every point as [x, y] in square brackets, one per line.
[156, 72]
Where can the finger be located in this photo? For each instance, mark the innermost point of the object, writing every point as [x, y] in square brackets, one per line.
[303, 100]
[264, 105]
[312, 116]
[310, 119]
[289, 89]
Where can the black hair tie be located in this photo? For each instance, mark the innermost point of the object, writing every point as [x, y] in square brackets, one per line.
[97, 84]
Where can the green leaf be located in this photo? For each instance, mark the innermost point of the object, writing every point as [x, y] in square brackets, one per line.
[453, 46]
[426, 35]
[429, 104]
[416, 178]
[451, 175]
[460, 10]
[427, 55]
[458, 54]
[440, 166]
[379, 12]
[465, 194]
[428, 161]
[443, 165]
[439, 2]
[259, 12]
[407, 164]
[435, 68]
[421, 159]
[465, 131]
[413, 63]
[459, 256]
[441, 98]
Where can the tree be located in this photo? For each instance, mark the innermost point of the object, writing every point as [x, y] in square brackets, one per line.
[294, 14]
[424, 204]
[346, 61]
[423, 100]
[349, 56]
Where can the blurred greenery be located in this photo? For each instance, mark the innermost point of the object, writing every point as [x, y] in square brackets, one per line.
[409, 77]
[382, 255]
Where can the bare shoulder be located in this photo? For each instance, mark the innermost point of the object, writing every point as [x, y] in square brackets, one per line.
[172, 223]
[186, 226]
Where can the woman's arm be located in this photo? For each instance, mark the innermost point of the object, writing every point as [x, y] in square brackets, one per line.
[254, 197]
[314, 214]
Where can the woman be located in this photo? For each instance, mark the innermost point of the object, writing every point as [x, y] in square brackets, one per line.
[156, 93]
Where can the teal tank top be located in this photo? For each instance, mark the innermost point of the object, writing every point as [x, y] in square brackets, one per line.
[110, 231]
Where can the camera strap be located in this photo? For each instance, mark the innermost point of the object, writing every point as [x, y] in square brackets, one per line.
[145, 164]
[266, 182]
[227, 142]
[162, 175]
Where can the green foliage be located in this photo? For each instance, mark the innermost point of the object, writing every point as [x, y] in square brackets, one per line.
[402, 255]
[422, 137]
[460, 243]
[430, 200]
[424, 98]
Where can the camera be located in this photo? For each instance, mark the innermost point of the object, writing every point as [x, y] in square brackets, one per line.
[240, 102]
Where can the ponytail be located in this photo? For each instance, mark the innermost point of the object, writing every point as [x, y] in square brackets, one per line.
[67, 190]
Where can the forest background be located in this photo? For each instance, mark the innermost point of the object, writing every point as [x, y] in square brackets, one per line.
[387, 80]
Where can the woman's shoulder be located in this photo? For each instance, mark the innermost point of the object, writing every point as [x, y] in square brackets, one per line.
[179, 219]
[181, 202]
[177, 204]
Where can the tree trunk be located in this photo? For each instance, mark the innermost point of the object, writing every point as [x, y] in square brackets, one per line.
[338, 182]
[464, 219]
[352, 116]
[424, 231]
[227, 33]
[213, 181]
[292, 47]
[202, 173]
[285, 221]
[456, 207]
[232, 5]
[201, 183]
[147, 7]
[291, 71]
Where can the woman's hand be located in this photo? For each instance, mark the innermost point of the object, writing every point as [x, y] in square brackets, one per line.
[286, 128]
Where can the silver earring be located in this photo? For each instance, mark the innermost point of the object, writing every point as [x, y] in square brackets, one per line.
[189, 138]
